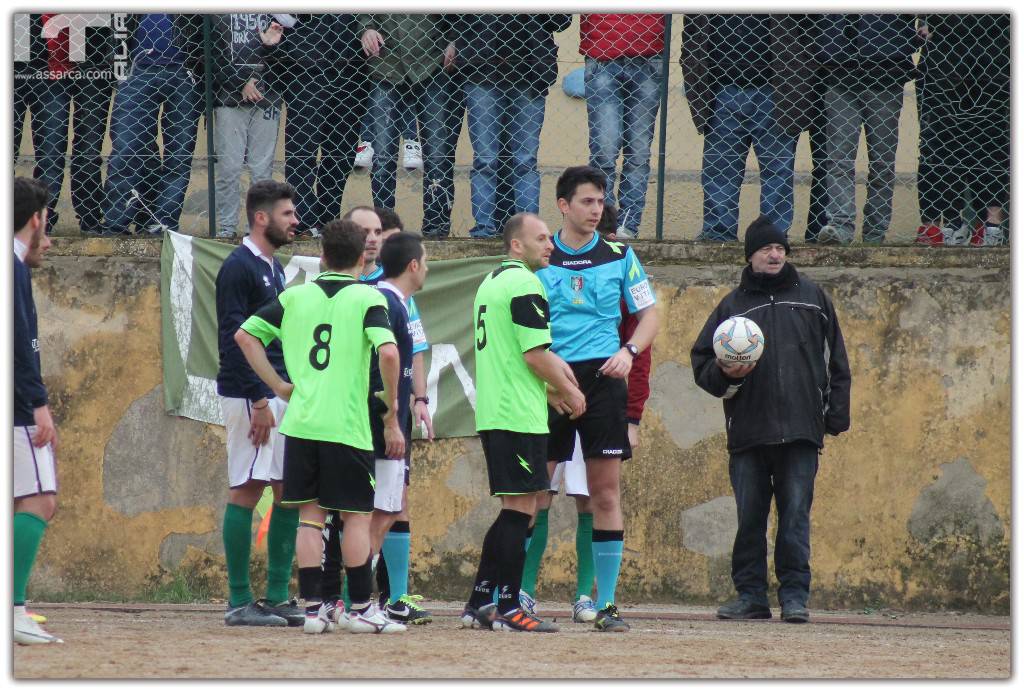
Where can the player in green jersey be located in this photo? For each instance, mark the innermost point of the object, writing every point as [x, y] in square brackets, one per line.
[516, 378]
[327, 329]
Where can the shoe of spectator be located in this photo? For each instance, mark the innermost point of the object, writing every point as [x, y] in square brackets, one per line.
[434, 235]
[623, 233]
[308, 233]
[992, 235]
[742, 609]
[795, 612]
[153, 230]
[957, 235]
[930, 234]
[364, 155]
[412, 156]
[483, 234]
[226, 234]
[829, 235]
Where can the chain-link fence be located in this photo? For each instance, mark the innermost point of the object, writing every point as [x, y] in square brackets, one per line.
[838, 127]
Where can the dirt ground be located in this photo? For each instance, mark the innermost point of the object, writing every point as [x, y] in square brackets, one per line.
[152, 641]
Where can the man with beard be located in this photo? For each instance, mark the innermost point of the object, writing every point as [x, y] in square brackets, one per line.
[777, 412]
[249, 278]
[35, 436]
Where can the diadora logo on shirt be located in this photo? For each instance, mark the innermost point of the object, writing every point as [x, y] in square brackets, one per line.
[576, 263]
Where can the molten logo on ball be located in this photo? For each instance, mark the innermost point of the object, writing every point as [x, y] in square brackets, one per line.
[738, 340]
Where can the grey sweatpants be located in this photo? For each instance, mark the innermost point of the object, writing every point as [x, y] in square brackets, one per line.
[846, 110]
[244, 135]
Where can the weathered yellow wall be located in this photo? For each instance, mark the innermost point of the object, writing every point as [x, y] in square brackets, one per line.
[912, 508]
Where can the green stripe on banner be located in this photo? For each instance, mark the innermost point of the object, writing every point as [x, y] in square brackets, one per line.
[188, 268]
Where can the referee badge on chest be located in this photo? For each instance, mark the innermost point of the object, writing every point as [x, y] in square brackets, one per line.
[576, 283]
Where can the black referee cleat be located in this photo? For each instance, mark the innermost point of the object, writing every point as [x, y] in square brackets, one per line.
[741, 609]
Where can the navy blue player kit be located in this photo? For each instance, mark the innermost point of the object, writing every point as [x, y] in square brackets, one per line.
[584, 288]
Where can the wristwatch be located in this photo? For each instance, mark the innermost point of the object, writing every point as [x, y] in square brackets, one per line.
[633, 350]
[424, 399]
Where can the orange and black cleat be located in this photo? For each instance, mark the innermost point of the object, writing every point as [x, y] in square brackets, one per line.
[520, 621]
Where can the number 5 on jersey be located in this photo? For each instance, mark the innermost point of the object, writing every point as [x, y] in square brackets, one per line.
[481, 340]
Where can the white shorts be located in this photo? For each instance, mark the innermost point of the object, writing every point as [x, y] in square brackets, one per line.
[574, 471]
[246, 462]
[35, 470]
[387, 493]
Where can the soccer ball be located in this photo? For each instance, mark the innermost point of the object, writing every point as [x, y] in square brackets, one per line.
[738, 340]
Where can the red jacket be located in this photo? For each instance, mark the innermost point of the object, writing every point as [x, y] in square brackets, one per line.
[638, 386]
[610, 36]
[58, 60]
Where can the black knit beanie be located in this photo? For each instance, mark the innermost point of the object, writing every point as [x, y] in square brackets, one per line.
[760, 233]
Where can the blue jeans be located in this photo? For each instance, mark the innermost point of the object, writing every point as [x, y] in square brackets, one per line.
[623, 96]
[433, 101]
[786, 471]
[133, 127]
[406, 122]
[504, 123]
[91, 99]
[324, 113]
[743, 118]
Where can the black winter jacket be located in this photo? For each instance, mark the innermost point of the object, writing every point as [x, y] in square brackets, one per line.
[509, 49]
[800, 388]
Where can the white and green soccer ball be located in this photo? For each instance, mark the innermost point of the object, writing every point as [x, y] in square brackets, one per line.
[738, 340]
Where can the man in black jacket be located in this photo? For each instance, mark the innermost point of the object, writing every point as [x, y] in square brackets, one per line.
[777, 412]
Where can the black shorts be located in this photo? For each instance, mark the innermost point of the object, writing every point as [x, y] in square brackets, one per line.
[334, 475]
[602, 428]
[517, 463]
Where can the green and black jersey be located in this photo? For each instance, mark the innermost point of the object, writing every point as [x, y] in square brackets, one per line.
[511, 317]
[327, 328]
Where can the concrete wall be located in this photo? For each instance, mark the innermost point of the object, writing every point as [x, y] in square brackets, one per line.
[912, 508]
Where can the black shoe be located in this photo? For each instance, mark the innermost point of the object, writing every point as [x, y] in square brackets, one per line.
[793, 611]
[289, 610]
[406, 610]
[741, 609]
[253, 615]
[609, 620]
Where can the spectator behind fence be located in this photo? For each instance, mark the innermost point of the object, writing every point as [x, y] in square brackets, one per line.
[165, 83]
[622, 84]
[88, 85]
[748, 82]
[28, 88]
[412, 154]
[411, 58]
[247, 107]
[864, 61]
[323, 70]
[509, 62]
[964, 108]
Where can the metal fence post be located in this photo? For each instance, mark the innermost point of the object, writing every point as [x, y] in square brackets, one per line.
[210, 151]
[663, 129]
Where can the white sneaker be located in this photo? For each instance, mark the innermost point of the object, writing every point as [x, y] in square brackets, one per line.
[412, 155]
[528, 603]
[336, 613]
[584, 610]
[28, 631]
[957, 235]
[993, 236]
[372, 621]
[319, 623]
[364, 155]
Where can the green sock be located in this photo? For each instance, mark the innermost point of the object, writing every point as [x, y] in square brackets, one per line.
[284, 522]
[537, 545]
[584, 555]
[28, 534]
[237, 533]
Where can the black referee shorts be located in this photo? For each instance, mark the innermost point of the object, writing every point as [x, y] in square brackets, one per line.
[602, 428]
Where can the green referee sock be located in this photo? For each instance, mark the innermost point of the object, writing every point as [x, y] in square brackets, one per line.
[284, 522]
[535, 552]
[584, 555]
[237, 532]
[28, 534]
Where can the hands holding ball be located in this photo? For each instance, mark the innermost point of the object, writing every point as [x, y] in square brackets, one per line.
[738, 344]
